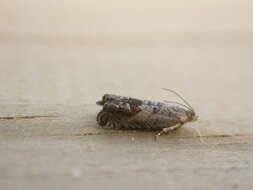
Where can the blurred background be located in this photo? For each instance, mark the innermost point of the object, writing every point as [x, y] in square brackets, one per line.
[58, 57]
[71, 52]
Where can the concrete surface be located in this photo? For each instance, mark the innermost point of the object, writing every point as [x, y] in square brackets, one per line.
[58, 58]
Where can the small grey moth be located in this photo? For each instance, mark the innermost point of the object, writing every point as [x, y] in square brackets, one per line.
[121, 112]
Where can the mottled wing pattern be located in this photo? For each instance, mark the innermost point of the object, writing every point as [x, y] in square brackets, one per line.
[130, 113]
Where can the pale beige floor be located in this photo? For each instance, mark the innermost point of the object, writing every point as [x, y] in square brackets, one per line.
[57, 59]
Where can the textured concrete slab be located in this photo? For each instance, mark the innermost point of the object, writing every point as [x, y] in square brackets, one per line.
[57, 61]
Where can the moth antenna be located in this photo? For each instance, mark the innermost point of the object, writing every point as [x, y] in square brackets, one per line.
[178, 95]
[200, 136]
[178, 104]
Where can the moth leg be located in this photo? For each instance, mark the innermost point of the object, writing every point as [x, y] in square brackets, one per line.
[168, 129]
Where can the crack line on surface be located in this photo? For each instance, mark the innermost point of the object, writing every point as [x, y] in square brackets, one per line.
[178, 137]
[27, 117]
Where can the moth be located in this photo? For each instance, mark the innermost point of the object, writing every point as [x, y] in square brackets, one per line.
[121, 112]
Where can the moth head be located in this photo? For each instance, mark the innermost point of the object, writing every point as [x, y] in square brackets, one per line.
[192, 116]
[195, 118]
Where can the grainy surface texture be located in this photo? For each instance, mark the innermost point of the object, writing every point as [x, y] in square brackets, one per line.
[57, 58]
